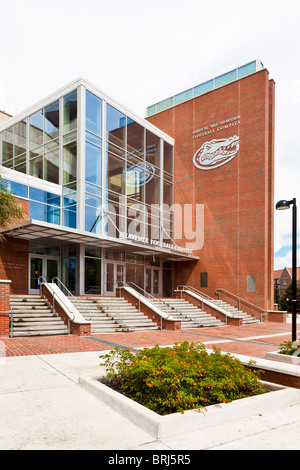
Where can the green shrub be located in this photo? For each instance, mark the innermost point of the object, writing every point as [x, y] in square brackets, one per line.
[289, 347]
[168, 380]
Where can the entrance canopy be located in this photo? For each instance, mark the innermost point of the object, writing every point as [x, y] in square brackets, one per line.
[43, 232]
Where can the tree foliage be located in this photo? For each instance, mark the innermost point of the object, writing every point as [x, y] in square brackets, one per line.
[285, 303]
[10, 209]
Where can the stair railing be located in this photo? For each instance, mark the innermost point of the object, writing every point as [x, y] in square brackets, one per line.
[184, 287]
[260, 310]
[11, 321]
[150, 296]
[44, 281]
[71, 295]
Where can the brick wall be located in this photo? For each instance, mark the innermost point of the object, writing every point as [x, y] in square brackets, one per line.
[5, 291]
[238, 196]
[14, 264]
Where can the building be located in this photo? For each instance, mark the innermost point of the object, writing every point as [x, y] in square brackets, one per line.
[224, 159]
[184, 196]
[282, 280]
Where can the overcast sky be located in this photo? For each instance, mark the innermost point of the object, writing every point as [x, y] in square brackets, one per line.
[141, 52]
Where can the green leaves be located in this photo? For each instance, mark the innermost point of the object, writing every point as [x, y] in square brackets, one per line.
[183, 377]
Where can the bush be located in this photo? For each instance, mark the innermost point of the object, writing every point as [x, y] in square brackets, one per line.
[289, 348]
[168, 380]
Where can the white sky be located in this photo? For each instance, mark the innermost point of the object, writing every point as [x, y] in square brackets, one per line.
[141, 52]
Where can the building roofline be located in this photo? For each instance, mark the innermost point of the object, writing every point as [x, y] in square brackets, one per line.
[82, 81]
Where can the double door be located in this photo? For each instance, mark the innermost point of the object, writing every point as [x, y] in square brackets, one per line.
[46, 266]
[152, 281]
[114, 273]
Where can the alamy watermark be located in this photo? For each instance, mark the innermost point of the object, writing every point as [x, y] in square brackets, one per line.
[177, 227]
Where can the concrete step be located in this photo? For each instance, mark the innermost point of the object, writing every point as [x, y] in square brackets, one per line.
[111, 314]
[33, 316]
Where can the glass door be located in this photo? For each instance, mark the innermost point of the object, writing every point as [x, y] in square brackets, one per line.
[114, 273]
[45, 266]
[152, 284]
[36, 270]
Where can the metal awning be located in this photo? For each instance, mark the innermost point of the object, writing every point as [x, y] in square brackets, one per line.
[43, 232]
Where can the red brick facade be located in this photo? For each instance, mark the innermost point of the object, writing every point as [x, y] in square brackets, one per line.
[237, 196]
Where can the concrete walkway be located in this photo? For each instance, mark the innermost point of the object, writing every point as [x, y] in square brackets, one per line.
[43, 407]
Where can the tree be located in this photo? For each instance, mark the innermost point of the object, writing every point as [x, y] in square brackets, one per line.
[11, 210]
[285, 303]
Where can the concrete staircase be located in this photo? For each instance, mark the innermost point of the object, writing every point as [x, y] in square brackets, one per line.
[189, 315]
[247, 319]
[112, 314]
[34, 316]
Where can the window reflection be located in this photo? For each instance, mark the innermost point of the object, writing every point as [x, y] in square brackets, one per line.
[51, 113]
[115, 126]
[70, 111]
[36, 129]
[152, 149]
[93, 113]
[135, 138]
[93, 164]
[70, 162]
[115, 174]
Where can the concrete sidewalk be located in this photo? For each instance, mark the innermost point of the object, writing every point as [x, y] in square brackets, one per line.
[43, 407]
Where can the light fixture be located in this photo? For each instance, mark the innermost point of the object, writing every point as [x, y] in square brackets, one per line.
[282, 205]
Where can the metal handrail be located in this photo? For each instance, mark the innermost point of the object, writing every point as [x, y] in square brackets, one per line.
[239, 299]
[11, 326]
[70, 294]
[54, 294]
[151, 297]
[205, 296]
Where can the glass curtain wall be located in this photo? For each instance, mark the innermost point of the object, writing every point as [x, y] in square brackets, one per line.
[93, 164]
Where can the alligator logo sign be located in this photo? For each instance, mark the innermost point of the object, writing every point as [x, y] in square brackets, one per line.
[216, 153]
[139, 174]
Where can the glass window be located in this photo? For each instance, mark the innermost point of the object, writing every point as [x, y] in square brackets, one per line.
[167, 199]
[70, 162]
[36, 167]
[135, 180]
[115, 174]
[36, 129]
[51, 166]
[16, 188]
[115, 126]
[70, 112]
[51, 113]
[152, 189]
[184, 96]
[246, 69]
[168, 103]
[135, 138]
[92, 275]
[226, 78]
[204, 88]
[7, 144]
[44, 196]
[93, 218]
[168, 158]
[44, 212]
[20, 138]
[152, 149]
[93, 113]
[93, 164]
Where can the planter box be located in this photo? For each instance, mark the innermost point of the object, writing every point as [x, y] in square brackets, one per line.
[277, 356]
[178, 423]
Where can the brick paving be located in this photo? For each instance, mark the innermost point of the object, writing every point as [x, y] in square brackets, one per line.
[249, 340]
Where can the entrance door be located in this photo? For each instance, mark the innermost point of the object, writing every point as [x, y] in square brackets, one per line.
[114, 273]
[45, 266]
[152, 284]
